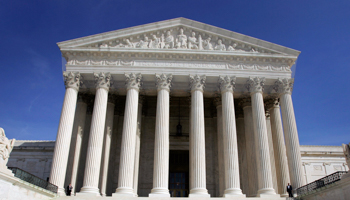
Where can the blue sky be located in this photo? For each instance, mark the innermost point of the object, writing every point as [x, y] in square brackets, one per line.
[31, 82]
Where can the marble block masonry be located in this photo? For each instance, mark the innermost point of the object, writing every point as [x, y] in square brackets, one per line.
[177, 108]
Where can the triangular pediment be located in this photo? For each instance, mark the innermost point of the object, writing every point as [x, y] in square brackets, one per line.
[178, 34]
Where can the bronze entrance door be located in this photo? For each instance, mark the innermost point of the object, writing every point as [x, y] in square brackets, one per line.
[179, 173]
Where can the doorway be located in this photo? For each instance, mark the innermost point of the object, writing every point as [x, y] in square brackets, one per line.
[179, 173]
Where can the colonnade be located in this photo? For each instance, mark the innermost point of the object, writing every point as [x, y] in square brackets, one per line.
[285, 138]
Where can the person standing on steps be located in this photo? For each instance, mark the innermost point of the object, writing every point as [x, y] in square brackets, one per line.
[69, 189]
[290, 190]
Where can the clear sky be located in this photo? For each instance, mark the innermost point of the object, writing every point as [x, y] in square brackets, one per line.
[31, 83]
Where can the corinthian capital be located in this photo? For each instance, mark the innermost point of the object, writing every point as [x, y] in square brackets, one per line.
[284, 86]
[255, 84]
[72, 80]
[163, 81]
[103, 80]
[227, 84]
[133, 81]
[269, 103]
[197, 82]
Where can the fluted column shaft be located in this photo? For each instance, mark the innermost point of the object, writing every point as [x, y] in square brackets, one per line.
[279, 149]
[197, 139]
[64, 133]
[250, 147]
[108, 139]
[292, 141]
[232, 182]
[79, 124]
[127, 154]
[220, 148]
[242, 154]
[261, 138]
[161, 143]
[137, 146]
[95, 144]
[284, 87]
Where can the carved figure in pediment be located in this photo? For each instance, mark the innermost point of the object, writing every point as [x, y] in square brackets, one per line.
[155, 43]
[192, 41]
[6, 147]
[232, 48]
[129, 44]
[169, 41]
[220, 46]
[207, 44]
[162, 41]
[104, 45]
[143, 43]
[181, 40]
[253, 50]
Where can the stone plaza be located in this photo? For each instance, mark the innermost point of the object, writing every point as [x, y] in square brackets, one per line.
[179, 108]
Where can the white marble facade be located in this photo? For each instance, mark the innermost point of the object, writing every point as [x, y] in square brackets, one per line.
[137, 98]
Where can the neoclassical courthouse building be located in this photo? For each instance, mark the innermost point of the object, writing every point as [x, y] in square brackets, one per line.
[178, 108]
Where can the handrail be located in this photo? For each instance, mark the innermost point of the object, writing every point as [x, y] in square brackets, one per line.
[320, 183]
[30, 178]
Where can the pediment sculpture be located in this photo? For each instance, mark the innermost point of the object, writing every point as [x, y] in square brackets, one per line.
[6, 147]
[179, 41]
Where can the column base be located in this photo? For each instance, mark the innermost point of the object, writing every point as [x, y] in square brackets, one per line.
[124, 191]
[234, 192]
[266, 191]
[88, 191]
[199, 192]
[159, 192]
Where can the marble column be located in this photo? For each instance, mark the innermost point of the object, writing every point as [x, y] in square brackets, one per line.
[64, 133]
[255, 87]
[284, 88]
[242, 153]
[245, 103]
[161, 143]
[95, 144]
[138, 145]
[197, 139]
[232, 182]
[108, 138]
[271, 151]
[78, 129]
[220, 147]
[127, 154]
[279, 147]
